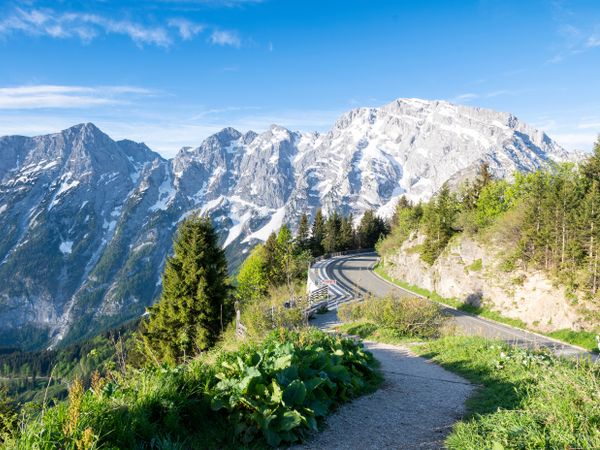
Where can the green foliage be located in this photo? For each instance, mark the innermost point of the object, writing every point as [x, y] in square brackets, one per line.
[528, 400]
[438, 220]
[252, 279]
[8, 416]
[272, 312]
[476, 266]
[283, 388]
[370, 229]
[406, 316]
[195, 301]
[405, 221]
[585, 339]
[317, 233]
[275, 391]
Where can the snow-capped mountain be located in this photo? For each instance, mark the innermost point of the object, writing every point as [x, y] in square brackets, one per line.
[87, 222]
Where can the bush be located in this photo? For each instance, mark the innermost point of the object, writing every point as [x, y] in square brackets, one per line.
[263, 315]
[294, 379]
[274, 391]
[406, 316]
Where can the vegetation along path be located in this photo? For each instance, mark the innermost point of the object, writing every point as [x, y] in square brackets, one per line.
[414, 408]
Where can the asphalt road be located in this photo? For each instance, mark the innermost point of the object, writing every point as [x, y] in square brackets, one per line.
[354, 277]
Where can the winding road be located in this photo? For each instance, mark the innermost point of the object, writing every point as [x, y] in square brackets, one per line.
[354, 277]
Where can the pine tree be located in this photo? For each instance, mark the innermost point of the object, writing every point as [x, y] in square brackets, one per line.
[302, 236]
[370, 229]
[347, 240]
[272, 267]
[332, 233]
[438, 220]
[317, 233]
[194, 303]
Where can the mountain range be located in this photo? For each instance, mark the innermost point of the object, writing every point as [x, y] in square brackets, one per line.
[87, 222]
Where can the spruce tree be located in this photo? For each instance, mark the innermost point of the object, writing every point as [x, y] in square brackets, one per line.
[332, 233]
[347, 240]
[317, 233]
[302, 237]
[370, 229]
[195, 299]
[438, 220]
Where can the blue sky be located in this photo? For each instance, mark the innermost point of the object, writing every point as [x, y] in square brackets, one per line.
[171, 72]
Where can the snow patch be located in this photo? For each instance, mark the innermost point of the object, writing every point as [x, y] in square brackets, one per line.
[66, 247]
[273, 225]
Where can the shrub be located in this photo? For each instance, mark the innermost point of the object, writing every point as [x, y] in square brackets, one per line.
[284, 387]
[275, 311]
[407, 316]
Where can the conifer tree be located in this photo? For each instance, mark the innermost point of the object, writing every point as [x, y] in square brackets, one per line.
[317, 233]
[347, 240]
[302, 236]
[438, 219]
[370, 229]
[332, 233]
[194, 303]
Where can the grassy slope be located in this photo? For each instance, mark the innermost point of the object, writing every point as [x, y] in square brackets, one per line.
[583, 339]
[527, 400]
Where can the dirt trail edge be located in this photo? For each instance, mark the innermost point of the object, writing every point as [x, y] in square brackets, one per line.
[415, 407]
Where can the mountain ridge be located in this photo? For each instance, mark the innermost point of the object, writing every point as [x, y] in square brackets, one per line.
[89, 220]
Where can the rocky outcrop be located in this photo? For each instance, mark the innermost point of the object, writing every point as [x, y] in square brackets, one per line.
[472, 272]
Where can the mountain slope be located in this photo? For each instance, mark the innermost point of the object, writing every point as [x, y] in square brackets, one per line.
[89, 221]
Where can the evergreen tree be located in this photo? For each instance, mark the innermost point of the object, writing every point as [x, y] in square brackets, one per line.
[332, 233]
[438, 220]
[318, 233]
[194, 303]
[370, 229]
[302, 237]
[347, 240]
[271, 262]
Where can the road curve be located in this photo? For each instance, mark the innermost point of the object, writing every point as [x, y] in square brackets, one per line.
[354, 277]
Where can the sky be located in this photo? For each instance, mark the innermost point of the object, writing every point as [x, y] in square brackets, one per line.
[171, 72]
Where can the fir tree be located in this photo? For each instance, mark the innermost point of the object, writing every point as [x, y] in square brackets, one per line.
[317, 233]
[370, 229]
[332, 233]
[347, 239]
[194, 303]
[438, 220]
[302, 236]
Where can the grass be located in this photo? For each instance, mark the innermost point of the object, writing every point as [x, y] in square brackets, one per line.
[526, 400]
[584, 339]
[265, 393]
[476, 266]
[373, 332]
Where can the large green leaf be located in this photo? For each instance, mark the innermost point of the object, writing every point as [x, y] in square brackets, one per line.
[295, 393]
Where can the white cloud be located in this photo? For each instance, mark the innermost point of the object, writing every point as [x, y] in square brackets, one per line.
[223, 37]
[187, 30]
[46, 22]
[54, 96]
[575, 141]
[464, 97]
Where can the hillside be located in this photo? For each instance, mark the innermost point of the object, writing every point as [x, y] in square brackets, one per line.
[89, 221]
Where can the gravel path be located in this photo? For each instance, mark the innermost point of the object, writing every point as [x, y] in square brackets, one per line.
[414, 408]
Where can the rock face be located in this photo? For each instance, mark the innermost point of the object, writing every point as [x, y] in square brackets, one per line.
[470, 272]
[87, 222]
